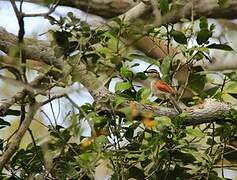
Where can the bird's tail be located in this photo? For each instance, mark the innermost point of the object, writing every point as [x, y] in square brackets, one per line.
[175, 103]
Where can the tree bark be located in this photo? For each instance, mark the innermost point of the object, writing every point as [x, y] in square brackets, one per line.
[103, 8]
[113, 8]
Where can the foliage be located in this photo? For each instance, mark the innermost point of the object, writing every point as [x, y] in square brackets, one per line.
[133, 146]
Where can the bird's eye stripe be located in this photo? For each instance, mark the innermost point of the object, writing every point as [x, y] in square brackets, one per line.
[152, 71]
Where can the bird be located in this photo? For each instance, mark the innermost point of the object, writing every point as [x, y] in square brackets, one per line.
[161, 89]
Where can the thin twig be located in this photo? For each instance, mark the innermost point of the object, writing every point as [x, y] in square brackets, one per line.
[18, 83]
[53, 98]
[51, 10]
[222, 159]
[18, 96]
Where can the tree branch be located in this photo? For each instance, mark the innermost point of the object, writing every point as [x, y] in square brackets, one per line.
[103, 8]
[210, 110]
[135, 12]
[36, 50]
[15, 142]
[113, 8]
[36, 83]
[207, 8]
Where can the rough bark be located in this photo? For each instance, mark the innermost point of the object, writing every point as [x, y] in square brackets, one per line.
[15, 142]
[199, 8]
[103, 8]
[112, 8]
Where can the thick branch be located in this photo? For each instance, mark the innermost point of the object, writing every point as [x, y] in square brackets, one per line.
[209, 111]
[36, 50]
[18, 96]
[207, 8]
[112, 8]
[15, 142]
[135, 12]
[103, 8]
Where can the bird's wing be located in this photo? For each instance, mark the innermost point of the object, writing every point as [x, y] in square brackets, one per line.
[162, 86]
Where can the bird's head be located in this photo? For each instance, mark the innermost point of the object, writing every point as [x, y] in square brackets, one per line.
[153, 74]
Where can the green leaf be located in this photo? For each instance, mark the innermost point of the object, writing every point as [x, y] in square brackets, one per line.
[232, 76]
[224, 47]
[141, 75]
[61, 38]
[136, 173]
[70, 14]
[203, 23]
[125, 72]
[99, 121]
[164, 154]
[201, 54]
[230, 154]
[203, 36]
[87, 108]
[234, 95]
[195, 132]
[212, 91]
[66, 135]
[99, 142]
[118, 101]
[129, 133]
[4, 123]
[179, 120]
[52, 20]
[55, 134]
[210, 141]
[145, 93]
[13, 112]
[117, 20]
[164, 6]
[197, 82]
[116, 60]
[84, 27]
[179, 37]
[127, 112]
[121, 86]
[198, 56]
[212, 27]
[164, 121]
[165, 68]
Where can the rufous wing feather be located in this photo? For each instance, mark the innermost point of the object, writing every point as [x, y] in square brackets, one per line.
[162, 86]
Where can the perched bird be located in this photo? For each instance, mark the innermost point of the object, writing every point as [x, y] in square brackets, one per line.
[161, 89]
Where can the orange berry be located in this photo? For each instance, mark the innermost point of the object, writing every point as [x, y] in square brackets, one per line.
[148, 123]
[86, 143]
